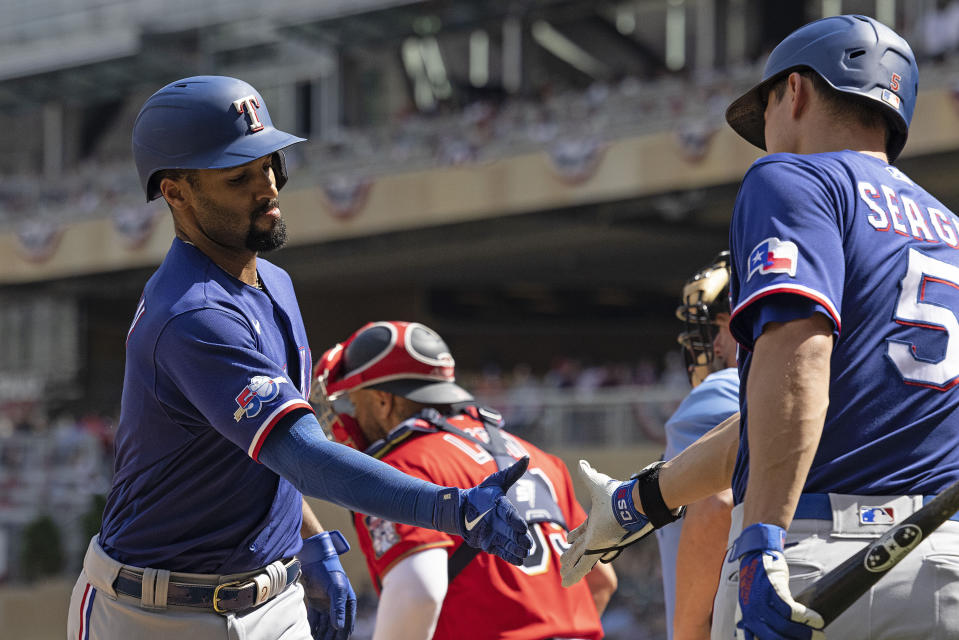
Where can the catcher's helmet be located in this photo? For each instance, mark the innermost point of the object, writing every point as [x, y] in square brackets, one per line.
[407, 359]
[705, 295]
[854, 54]
[205, 122]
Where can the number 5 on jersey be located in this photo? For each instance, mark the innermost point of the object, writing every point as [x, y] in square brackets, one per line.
[914, 309]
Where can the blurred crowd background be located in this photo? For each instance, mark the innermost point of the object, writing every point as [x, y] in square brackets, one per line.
[534, 179]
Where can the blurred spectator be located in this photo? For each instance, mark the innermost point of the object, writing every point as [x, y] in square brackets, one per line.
[490, 382]
[591, 379]
[939, 29]
[618, 375]
[646, 372]
[563, 374]
[24, 417]
[53, 467]
[674, 372]
[523, 406]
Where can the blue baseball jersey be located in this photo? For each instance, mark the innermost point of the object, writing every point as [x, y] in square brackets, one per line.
[847, 235]
[212, 365]
[711, 402]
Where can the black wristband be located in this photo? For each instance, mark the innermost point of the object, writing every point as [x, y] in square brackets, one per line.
[652, 498]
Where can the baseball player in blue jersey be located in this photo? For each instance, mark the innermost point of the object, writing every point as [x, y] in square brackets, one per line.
[691, 550]
[845, 295]
[201, 535]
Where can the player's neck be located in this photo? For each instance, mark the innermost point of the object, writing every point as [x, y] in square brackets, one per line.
[239, 263]
[820, 135]
[241, 267]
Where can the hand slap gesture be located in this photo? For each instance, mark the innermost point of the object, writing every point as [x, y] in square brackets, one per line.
[485, 518]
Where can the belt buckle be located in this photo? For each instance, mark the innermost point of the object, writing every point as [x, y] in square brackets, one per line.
[216, 593]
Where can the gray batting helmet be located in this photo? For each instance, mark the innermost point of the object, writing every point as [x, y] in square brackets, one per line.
[856, 55]
[205, 122]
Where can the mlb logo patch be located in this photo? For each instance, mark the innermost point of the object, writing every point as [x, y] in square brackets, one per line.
[891, 98]
[382, 533]
[877, 515]
[773, 255]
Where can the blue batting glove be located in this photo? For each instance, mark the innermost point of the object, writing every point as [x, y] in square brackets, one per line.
[766, 608]
[485, 518]
[330, 601]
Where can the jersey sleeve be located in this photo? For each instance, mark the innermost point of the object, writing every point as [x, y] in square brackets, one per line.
[207, 362]
[385, 542]
[786, 245]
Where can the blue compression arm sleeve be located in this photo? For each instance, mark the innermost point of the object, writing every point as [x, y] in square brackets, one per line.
[300, 452]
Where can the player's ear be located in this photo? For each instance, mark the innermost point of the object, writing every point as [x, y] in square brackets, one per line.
[383, 403]
[174, 192]
[798, 92]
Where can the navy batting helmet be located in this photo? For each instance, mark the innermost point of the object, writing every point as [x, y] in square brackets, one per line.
[856, 55]
[205, 122]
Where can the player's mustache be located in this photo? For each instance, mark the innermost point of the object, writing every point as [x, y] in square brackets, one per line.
[261, 210]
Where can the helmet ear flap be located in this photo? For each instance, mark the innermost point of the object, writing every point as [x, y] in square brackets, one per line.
[279, 169]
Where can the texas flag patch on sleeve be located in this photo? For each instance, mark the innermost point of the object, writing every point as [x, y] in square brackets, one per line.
[773, 255]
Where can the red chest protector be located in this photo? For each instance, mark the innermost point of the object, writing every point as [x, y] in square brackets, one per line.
[531, 494]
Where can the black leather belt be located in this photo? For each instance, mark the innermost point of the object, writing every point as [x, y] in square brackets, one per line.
[222, 598]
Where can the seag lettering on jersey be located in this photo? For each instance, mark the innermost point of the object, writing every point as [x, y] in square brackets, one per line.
[902, 215]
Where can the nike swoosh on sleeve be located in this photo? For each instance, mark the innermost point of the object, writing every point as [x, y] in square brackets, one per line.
[472, 523]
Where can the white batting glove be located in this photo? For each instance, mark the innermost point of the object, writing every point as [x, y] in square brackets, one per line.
[606, 530]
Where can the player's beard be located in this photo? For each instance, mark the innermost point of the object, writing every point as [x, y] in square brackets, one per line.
[270, 239]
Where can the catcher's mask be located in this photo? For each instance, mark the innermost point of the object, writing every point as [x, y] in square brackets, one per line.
[705, 295]
[406, 359]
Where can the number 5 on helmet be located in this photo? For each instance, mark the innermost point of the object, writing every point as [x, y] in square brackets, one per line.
[614, 522]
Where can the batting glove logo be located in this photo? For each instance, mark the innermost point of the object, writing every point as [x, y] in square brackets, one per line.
[622, 504]
[261, 390]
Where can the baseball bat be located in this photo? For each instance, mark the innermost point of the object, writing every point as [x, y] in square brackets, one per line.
[837, 590]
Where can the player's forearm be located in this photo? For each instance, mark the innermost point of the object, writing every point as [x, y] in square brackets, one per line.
[311, 524]
[699, 560]
[703, 469]
[344, 476]
[787, 396]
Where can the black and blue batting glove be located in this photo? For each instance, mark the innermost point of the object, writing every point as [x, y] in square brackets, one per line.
[766, 608]
[485, 518]
[330, 601]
